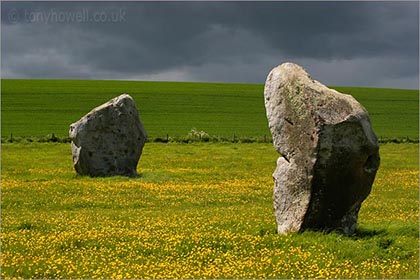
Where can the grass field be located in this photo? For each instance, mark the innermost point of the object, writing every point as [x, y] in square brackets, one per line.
[201, 210]
[197, 211]
[42, 107]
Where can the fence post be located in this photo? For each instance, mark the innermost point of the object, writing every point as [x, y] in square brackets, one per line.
[11, 137]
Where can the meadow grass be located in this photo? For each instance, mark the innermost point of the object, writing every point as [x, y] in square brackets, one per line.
[197, 211]
[43, 107]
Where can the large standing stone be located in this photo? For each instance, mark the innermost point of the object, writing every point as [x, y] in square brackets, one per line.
[109, 139]
[329, 153]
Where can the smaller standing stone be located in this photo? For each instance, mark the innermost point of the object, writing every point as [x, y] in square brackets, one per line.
[109, 139]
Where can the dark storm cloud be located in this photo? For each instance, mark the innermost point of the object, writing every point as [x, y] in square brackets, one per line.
[370, 43]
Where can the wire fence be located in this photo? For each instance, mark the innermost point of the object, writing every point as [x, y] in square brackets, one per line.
[190, 138]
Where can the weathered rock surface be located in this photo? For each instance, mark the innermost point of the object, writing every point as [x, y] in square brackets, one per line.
[108, 140]
[329, 153]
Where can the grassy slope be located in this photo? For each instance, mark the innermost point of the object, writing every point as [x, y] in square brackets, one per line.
[197, 211]
[173, 108]
[41, 107]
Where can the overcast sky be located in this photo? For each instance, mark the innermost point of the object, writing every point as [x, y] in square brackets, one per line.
[374, 44]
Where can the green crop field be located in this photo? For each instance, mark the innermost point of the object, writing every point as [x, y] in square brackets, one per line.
[42, 107]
